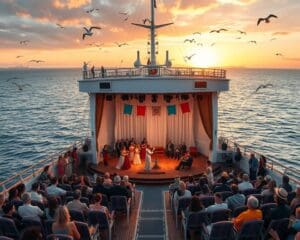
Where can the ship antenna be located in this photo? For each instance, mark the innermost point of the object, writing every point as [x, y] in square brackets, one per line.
[152, 27]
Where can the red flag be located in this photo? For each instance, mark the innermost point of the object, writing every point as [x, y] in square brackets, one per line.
[141, 110]
[185, 107]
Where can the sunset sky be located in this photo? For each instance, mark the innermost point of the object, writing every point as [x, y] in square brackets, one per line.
[36, 21]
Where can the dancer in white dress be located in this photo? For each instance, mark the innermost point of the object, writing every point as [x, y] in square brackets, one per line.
[122, 158]
[131, 152]
[149, 152]
[137, 157]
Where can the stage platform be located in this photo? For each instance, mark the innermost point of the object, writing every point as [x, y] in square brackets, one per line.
[164, 175]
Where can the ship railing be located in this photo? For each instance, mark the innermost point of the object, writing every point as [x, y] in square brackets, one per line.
[156, 71]
[34, 170]
[272, 164]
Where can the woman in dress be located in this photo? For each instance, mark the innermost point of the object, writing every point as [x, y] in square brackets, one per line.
[149, 152]
[127, 164]
[60, 166]
[143, 151]
[131, 152]
[122, 158]
[137, 158]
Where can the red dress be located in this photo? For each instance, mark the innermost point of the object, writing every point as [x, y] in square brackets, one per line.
[126, 164]
[143, 151]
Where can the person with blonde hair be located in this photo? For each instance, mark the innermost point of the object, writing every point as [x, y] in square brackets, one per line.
[63, 225]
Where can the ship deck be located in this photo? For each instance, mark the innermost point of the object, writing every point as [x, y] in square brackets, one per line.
[165, 174]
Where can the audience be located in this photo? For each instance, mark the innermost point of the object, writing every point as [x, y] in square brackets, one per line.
[269, 192]
[45, 175]
[223, 187]
[29, 211]
[53, 190]
[10, 212]
[282, 210]
[76, 204]
[296, 201]
[181, 193]
[52, 206]
[118, 190]
[31, 233]
[35, 196]
[2, 201]
[99, 188]
[63, 225]
[252, 213]
[97, 206]
[245, 184]
[285, 184]
[237, 199]
[107, 179]
[219, 204]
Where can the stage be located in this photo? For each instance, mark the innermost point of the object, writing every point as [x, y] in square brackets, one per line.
[164, 175]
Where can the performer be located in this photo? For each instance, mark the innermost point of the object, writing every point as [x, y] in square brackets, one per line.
[137, 158]
[170, 149]
[143, 151]
[105, 154]
[127, 164]
[122, 158]
[149, 152]
[131, 152]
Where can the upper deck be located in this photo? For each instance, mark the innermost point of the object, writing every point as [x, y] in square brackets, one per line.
[154, 79]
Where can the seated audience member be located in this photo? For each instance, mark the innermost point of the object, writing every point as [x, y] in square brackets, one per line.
[128, 184]
[53, 190]
[262, 166]
[52, 206]
[99, 188]
[181, 192]
[35, 196]
[175, 185]
[223, 187]
[97, 206]
[270, 190]
[296, 201]
[2, 201]
[190, 182]
[107, 180]
[21, 189]
[237, 199]
[29, 211]
[219, 204]
[259, 183]
[63, 225]
[282, 210]
[245, 184]
[117, 189]
[294, 226]
[13, 195]
[210, 176]
[285, 184]
[76, 204]
[45, 175]
[10, 212]
[186, 160]
[253, 213]
[31, 233]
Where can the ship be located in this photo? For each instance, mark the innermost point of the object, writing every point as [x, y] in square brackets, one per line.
[159, 103]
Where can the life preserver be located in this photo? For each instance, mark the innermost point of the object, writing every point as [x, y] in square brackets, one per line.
[153, 71]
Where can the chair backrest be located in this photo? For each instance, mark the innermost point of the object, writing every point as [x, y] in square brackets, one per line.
[266, 209]
[85, 200]
[226, 194]
[118, 203]
[30, 222]
[222, 231]
[76, 215]
[8, 228]
[83, 229]
[98, 217]
[249, 191]
[17, 203]
[196, 220]
[207, 201]
[48, 227]
[251, 230]
[59, 237]
[38, 204]
[281, 226]
[5, 238]
[104, 201]
[269, 198]
[66, 187]
[220, 215]
[237, 211]
[183, 203]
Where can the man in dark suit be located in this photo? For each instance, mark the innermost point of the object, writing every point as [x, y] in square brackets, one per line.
[118, 190]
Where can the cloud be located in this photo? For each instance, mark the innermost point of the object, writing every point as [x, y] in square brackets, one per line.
[70, 4]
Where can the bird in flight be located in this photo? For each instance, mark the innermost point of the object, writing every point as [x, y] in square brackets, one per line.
[190, 40]
[60, 26]
[21, 86]
[36, 61]
[146, 20]
[219, 30]
[212, 44]
[195, 33]
[279, 54]
[88, 32]
[272, 39]
[19, 56]
[267, 19]
[92, 10]
[242, 32]
[123, 13]
[125, 19]
[24, 42]
[252, 41]
[189, 57]
[12, 78]
[263, 86]
[121, 44]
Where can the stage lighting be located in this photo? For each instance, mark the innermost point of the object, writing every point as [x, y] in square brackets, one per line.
[184, 96]
[125, 97]
[154, 98]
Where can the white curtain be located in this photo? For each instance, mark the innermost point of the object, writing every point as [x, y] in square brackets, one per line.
[157, 129]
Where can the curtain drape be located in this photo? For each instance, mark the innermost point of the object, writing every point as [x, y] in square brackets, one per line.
[98, 112]
[204, 101]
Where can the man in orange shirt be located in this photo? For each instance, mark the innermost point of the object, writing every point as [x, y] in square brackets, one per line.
[251, 214]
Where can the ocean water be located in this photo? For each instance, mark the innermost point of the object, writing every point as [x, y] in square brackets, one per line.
[50, 114]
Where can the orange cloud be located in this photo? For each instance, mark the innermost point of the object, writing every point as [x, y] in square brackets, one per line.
[70, 3]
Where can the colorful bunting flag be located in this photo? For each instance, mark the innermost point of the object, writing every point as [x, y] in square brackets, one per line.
[127, 109]
[156, 110]
[185, 107]
[141, 110]
[171, 110]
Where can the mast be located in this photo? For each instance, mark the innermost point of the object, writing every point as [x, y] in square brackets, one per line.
[152, 27]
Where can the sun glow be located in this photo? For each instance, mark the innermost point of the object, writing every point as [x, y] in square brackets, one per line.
[206, 57]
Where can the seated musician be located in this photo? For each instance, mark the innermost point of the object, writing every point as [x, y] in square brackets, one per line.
[185, 160]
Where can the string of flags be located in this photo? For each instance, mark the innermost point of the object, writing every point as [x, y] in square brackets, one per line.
[156, 110]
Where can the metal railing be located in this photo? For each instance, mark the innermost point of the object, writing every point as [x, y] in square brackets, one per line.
[156, 71]
[272, 164]
[34, 170]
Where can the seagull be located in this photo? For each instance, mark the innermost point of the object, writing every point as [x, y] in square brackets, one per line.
[36, 61]
[219, 30]
[279, 54]
[212, 44]
[92, 10]
[120, 44]
[88, 32]
[267, 19]
[252, 41]
[24, 42]
[189, 40]
[195, 33]
[60, 26]
[19, 56]
[12, 78]
[189, 57]
[144, 20]
[125, 19]
[263, 86]
[21, 86]
[242, 32]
